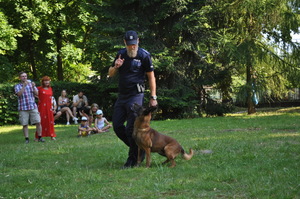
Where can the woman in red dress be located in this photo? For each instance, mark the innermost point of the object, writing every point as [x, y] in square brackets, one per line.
[45, 108]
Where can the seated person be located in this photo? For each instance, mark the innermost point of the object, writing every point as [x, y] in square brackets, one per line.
[92, 113]
[63, 107]
[80, 103]
[54, 108]
[83, 128]
[101, 123]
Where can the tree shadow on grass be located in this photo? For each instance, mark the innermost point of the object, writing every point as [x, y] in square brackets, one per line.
[16, 136]
[280, 109]
[13, 136]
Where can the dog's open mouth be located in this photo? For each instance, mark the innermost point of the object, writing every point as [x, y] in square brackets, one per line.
[140, 110]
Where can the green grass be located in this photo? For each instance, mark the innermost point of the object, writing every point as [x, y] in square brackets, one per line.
[255, 156]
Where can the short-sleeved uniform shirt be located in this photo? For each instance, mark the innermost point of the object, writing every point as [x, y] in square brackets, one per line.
[133, 70]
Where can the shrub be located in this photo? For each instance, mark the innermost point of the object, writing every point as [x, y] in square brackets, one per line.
[214, 108]
[173, 103]
[102, 93]
[8, 105]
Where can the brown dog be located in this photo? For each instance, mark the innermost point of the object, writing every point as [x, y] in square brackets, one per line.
[150, 140]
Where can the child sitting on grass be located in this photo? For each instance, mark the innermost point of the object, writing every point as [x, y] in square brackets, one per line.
[101, 123]
[83, 128]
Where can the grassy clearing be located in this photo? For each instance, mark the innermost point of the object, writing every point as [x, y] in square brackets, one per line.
[253, 156]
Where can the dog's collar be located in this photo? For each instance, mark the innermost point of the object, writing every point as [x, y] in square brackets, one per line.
[144, 129]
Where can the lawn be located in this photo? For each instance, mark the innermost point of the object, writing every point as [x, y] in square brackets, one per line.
[237, 156]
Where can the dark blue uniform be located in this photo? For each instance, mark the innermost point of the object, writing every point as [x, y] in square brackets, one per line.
[131, 81]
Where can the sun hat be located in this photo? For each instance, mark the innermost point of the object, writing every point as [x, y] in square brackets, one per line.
[131, 38]
[99, 112]
[84, 118]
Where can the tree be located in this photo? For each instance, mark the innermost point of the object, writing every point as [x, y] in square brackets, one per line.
[69, 23]
[8, 43]
[194, 43]
[53, 37]
[242, 32]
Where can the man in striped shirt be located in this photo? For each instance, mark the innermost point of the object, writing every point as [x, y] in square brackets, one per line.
[26, 91]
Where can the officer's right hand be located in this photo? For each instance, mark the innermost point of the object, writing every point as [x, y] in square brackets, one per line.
[119, 62]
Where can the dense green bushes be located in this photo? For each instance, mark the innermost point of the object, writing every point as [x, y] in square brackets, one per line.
[103, 93]
[8, 105]
[172, 103]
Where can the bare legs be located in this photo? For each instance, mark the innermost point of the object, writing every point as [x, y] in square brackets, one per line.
[74, 110]
[25, 131]
[68, 112]
[104, 129]
[58, 114]
[38, 130]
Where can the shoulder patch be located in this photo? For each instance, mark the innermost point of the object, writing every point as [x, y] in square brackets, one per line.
[122, 51]
[144, 51]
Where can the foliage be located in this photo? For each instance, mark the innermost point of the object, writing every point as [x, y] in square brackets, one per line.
[52, 32]
[239, 156]
[193, 43]
[6, 70]
[240, 36]
[8, 105]
[101, 93]
[214, 108]
[8, 43]
[177, 103]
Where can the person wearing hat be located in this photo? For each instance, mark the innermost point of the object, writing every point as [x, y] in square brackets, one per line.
[132, 64]
[101, 123]
[83, 128]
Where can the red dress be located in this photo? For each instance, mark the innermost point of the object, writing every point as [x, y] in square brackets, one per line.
[46, 112]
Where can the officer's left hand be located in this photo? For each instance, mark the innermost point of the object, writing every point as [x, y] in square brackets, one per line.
[153, 102]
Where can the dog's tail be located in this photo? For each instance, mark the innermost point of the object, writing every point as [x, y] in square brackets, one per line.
[187, 156]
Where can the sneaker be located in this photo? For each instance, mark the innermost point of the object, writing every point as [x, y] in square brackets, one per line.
[53, 138]
[68, 123]
[75, 119]
[26, 141]
[41, 140]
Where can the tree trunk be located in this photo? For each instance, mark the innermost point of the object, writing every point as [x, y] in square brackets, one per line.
[31, 49]
[60, 76]
[250, 104]
[32, 57]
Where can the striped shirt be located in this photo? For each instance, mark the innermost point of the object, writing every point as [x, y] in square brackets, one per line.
[26, 101]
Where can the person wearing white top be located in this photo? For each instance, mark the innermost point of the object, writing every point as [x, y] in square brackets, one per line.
[101, 123]
[63, 107]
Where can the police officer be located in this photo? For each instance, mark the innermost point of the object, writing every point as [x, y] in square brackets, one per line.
[131, 63]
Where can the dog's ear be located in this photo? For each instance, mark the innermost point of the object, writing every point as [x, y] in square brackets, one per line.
[149, 109]
[137, 109]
